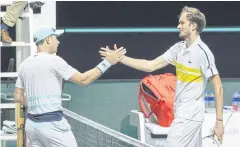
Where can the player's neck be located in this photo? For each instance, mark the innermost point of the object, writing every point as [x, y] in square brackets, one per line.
[42, 48]
[190, 39]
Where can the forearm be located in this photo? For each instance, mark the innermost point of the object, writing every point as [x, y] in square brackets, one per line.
[139, 64]
[219, 101]
[91, 75]
[21, 100]
[217, 84]
[19, 96]
[18, 100]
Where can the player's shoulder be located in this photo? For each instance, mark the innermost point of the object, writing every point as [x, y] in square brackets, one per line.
[204, 48]
[204, 51]
[25, 63]
[55, 59]
[27, 60]
[180, 44]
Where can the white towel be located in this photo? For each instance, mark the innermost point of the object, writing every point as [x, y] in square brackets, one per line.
[1, 132]
[10, 124]
[7, 130]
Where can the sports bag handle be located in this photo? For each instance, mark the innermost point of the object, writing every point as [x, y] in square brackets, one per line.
[141, 103]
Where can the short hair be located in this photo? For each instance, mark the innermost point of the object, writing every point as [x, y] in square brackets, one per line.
[40, 42]
[196, 16]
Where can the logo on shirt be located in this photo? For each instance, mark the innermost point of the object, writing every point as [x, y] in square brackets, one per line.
[190, 61]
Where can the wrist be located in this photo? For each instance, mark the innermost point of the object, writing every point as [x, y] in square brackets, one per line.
[219, 120]
[104, 65]
[123, 57]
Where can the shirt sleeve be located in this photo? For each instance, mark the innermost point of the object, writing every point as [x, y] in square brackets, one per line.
[208, 66]
[19, 82]
[171, 54]
[62, 69]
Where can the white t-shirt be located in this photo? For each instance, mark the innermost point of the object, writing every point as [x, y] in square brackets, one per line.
[41, 78]
[194, 66]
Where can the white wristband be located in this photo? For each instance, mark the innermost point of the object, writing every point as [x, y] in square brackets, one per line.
[104, 65]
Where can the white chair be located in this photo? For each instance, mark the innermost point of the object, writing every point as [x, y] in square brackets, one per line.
[151, 133]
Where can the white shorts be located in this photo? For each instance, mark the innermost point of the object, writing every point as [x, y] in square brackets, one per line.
[184, 133]
[50, 134]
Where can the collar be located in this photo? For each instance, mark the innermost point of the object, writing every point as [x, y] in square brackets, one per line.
[197, 41]
[40, 53]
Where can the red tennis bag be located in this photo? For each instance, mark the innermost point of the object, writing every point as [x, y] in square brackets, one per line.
[156, 96]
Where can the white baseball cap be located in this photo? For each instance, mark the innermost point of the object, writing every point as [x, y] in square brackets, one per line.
[43, 33]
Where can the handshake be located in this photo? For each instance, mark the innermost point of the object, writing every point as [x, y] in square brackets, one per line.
[113, 55]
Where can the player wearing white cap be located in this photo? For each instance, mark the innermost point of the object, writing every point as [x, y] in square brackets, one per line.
[40, 78]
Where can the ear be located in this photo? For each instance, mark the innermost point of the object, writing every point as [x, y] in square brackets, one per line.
[48, 40]
[194, 26]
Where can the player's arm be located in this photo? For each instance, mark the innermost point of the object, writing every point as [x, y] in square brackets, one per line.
[87, 77]
[145, 65]
[19, 96]
[93, 74]
[210, 71]
[217, 84]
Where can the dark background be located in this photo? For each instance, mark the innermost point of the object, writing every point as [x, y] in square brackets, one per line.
[81, 49]
[158, 14]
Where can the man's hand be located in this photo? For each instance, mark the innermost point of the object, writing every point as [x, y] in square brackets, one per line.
[219, 130]
[113, 56]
